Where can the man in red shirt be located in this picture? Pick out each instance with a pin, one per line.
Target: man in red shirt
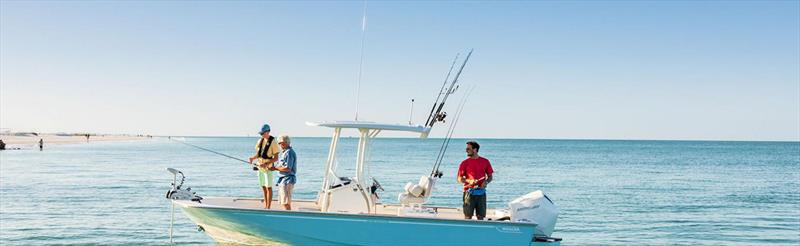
(475, 173)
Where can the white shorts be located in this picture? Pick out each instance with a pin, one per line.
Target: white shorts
(285, 193)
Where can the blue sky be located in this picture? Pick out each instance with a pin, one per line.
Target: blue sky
(581, 69)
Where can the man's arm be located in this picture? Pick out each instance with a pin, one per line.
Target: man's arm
(466, 181)
(281, 166)
(252, 158)
(282, 169)
(287, 164)
(255, 156)
(265, 163)
(488, 180)
(460, 174)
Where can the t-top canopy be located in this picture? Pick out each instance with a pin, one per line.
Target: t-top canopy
(371, 125)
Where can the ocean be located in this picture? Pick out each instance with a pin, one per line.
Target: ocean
(609, 192)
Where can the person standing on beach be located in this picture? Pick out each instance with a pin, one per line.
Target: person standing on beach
(475, 173)
(41, 144)
(266, 154)
(287, 168)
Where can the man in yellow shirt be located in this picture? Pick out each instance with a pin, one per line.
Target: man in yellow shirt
(266, 154)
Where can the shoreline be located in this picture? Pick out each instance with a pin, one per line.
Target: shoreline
(49, 139)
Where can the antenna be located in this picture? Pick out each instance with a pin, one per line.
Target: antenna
(411, 114)
(361, 60)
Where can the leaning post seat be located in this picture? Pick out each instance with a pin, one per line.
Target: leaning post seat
(416, 194)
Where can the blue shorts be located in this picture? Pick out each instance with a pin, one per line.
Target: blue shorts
(477, 191)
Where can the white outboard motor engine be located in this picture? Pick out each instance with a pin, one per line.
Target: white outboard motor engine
(535, 207)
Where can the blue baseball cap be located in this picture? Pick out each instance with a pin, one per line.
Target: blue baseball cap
(264, 129)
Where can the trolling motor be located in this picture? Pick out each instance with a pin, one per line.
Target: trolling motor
(176, 193)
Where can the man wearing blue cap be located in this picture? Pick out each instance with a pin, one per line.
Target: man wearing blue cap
(266, 154)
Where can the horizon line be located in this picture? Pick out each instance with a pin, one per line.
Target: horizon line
(510, 138)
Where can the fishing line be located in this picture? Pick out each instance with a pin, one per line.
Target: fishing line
(215, 152)
(450, 132)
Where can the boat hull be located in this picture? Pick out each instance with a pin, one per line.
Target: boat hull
(276, 227)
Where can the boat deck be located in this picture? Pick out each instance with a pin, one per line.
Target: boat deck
(311, 206)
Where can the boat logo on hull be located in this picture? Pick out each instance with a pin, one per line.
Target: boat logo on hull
(508, 229)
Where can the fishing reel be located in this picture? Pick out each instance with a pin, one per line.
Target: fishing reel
(255, 167)
(440, 117)
(176, 193)
(437, 174)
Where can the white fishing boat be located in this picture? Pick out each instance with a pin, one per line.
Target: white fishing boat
(347, 210)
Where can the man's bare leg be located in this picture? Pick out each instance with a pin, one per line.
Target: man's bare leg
(267, 197)
(287, 206)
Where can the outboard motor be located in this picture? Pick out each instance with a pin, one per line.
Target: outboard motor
(535, 207)
(176, 193)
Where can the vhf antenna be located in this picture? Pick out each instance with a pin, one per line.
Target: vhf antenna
(411, 113)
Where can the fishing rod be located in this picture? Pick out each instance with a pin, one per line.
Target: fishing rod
(215, 152)
(478, 180)
(438, 115)
(450, 131)
(449, 135)
(446, 78)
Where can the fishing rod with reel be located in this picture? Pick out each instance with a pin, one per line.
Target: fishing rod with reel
(437, 115)
(449, 136)
(255, 167)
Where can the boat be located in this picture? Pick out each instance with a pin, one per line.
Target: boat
(348, 211)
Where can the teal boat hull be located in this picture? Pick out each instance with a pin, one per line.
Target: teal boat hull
(277, 227)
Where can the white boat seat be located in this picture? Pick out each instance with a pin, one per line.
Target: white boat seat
(414, 189)
(416, 194)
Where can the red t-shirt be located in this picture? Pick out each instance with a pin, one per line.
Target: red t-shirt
(475, 169)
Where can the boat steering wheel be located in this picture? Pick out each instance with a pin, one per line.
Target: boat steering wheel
(376, 184)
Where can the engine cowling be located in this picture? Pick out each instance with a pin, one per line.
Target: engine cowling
(535, 207)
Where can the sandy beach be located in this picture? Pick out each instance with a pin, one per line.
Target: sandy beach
(12, 141)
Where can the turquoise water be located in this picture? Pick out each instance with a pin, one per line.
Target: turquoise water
(609, 192)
